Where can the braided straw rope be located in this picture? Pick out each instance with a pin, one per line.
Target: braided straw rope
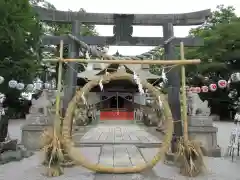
(75, 154)
(99, 54)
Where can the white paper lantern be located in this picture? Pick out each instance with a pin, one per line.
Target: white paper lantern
(233, 93)
(38, 85)
(237, 117)
(12, 84)
(30, 87)
(212, 87)
(47, 85)
(204, 89)
(2, 112)
(197, 89)
(1, 79)
(20, 86)
(222, 84)
(24, 95)
(232, 77)
(2, 97)
(235, 77)
(206, 78)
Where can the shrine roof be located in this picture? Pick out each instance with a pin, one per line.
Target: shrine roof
(93, 71)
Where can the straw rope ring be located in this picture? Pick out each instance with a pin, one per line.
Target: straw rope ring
(75, 154)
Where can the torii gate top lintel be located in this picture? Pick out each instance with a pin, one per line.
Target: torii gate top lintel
(181, 19)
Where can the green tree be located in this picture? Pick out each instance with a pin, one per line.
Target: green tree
(19, 36)
(219, 55)
(58, 29)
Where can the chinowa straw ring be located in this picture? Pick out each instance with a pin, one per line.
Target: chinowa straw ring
(75, 154)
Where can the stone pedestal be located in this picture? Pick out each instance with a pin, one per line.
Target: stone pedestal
(31, 132)
(37, 121)
(201, 129)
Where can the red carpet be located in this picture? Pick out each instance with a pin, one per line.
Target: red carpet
(116, 115)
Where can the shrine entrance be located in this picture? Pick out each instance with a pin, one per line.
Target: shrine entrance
(117, 106)
(117, 102)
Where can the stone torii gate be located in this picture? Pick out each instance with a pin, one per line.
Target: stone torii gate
(123, 29)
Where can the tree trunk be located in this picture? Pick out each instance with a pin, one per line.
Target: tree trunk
(3, 128)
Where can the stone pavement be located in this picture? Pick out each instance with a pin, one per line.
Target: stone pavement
(120, 155)
(118, 135)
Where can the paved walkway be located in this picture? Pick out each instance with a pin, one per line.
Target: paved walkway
(117, 134)
(119, 155)
(116, 144)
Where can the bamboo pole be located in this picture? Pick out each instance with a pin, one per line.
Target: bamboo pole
(58, 96)
(184, 97)
(164, 62)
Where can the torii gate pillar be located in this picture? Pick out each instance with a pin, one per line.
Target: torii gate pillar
(173, 79)
(71, 75)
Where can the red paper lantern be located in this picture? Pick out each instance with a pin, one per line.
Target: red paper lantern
(191, 89)
(204, 89)
(222, 84)
(197, 89)
(213, 87)
(194, 90)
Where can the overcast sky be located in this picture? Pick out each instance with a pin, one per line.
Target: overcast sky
(144, 7)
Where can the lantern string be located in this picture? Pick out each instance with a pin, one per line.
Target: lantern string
(164, 77)
(164, 73)
(138, 82)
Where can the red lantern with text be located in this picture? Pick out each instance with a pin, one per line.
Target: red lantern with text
(197, 89)
(222, 84)
(212, 87)
(204, 89)
(191, 89)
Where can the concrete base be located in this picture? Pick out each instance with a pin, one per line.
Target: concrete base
(16, 155)
(208, 138)
(216, 152)
(200, 121)
(31, 136)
